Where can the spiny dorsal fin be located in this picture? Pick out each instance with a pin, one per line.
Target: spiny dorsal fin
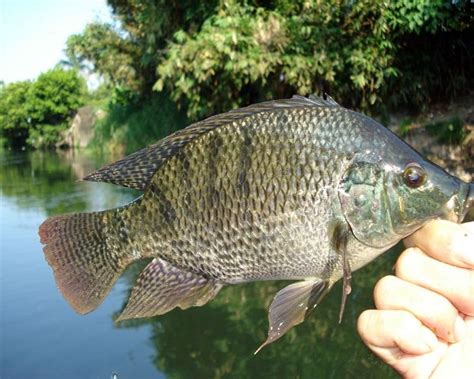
(136, 170)
(325, 101)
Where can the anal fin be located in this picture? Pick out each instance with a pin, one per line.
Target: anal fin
(292, 304)
(162, 287)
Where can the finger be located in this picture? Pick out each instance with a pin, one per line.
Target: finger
(458, 363)
(386, 332)
(446, 241)
(432, 309)
(469, 226)
(454, 283)
(469, 321)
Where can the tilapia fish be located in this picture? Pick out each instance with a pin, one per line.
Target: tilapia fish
(298, 189)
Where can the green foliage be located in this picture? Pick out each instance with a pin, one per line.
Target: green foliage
(132, 126)
(54, 94)
(36, 112)
(404, 127)
(127, 51)
(52, 100)
(114, 57)
(247, 51)
(211, 56)
(449, 131)
(100, 96)
(14, 115)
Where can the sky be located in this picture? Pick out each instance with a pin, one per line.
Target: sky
(33, 33)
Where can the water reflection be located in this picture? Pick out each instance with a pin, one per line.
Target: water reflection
(213, 341)
(50, 182)
(218, 340)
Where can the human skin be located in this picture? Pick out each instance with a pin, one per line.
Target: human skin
(423, 324)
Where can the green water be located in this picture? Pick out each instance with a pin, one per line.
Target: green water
(42, 337)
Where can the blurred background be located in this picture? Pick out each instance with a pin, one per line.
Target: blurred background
(84, 83)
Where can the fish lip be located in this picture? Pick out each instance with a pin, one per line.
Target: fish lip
(466, 196)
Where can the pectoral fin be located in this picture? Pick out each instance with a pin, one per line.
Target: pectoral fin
(346, 284)
(162, 287)
(292, 304)
(341, 233)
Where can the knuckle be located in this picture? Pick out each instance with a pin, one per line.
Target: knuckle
(402, 262)
(382, 290)
(405, 262)
(364, 322)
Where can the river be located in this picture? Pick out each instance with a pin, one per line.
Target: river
(42, 337)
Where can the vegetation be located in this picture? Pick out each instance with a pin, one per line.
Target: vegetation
(35, 113)
(131, 126)
(208, 57)
(224, 54)
(14, 120)
(449, 131)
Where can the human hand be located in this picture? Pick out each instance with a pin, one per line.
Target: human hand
(424, 322)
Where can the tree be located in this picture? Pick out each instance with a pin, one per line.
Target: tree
(128, 51)
(112, 56)
(75, 62)
(35, 113)
(359, 52)
(216, 55)
(52, 100)
(14, 115)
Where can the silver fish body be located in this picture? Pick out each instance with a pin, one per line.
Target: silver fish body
(298, 189)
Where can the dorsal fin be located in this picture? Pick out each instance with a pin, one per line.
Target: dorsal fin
(325, 101)
(136, 170)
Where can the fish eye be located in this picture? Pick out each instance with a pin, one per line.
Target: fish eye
(414, 175)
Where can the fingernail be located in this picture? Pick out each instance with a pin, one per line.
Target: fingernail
(462, 247)
(459, 328)
(428, 338)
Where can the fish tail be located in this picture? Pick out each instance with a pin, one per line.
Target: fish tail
(87, 257)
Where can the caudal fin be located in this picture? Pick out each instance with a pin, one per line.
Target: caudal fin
(85, 261)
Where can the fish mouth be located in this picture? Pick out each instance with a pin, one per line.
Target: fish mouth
(466, 200)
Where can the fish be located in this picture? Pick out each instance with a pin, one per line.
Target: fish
(298, 189)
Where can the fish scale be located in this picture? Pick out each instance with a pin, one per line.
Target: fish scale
(295, 189)
(284, 210)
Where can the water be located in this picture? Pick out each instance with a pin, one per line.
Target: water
(42, 337)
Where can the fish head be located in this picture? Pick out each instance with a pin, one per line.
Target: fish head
(423, 191)
(385, 200)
